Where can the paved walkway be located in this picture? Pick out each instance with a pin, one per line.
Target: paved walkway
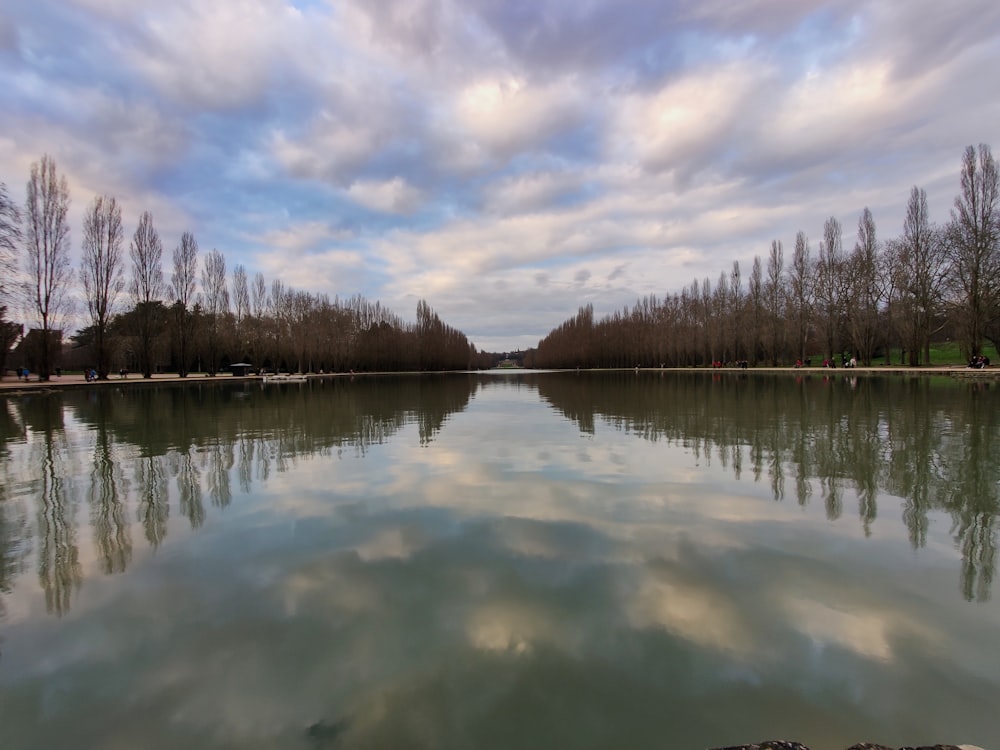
(11, 383)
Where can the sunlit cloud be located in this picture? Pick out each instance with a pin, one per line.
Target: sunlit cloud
(302, 236)
(393, 196)
(864, 633)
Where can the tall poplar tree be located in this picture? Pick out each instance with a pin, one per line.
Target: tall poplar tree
(101, 271)
(47, 263)
(774, 299)
(864, 290)
(829, 274)
(10, 239)
(973, 242)
(216, 297)
(182, 286)
(800, 289)
(146, 289)
(921, 269)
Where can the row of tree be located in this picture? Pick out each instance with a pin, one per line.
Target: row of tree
(200, 317)
(931, 282)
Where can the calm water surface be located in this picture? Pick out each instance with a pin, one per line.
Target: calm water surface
(503, 561)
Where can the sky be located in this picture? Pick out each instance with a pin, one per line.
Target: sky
(506, 161)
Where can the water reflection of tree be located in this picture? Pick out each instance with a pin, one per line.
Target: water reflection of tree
(107, 497)
(15, 543)
(15, 539)
(197, 435)
(189, 492)
(59, 569)
(220, 462)
(971, 494)
(152, 498)
(929, 443)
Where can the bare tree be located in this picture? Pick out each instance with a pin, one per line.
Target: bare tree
(735, 302)
(829, 274)
(973, 241)
(216, 297)
(800, 282)
(47, 261)
(774, 299)
(259, 308)
(241, 301)
(920, 273)
(10, 239)
(864, 290)
(755, 305)
(101, 271)
(182, 290)
(279, 306)
(146, 288)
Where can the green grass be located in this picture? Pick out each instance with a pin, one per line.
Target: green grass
(945, 353)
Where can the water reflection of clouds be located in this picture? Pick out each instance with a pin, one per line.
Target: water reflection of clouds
(646, 517)
(370, 638)
(455, 589)
(865, 633)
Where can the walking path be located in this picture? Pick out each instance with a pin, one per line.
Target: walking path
(9, 383)
(73, 380)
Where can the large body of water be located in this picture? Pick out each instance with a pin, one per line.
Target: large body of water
(523, 560)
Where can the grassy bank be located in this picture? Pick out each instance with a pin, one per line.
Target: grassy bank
(944, 353)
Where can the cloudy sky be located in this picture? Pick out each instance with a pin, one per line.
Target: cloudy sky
(506, 160)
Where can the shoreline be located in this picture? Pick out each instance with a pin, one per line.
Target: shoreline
(10, 384)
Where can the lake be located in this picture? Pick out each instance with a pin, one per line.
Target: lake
(505, 560)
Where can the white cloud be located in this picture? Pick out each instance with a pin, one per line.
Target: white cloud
(393, 196)
(508, 114)
(302, 236)
(684, 126)
(531, 193)
(317, 272)
(330, 150)
(216, 55)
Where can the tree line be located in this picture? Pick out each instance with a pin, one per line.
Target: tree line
(903, 294)
(194, 314)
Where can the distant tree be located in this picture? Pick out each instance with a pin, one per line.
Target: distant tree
(258, 306)
(709, 322)
(279, 307)
(182, 291)
(737, 325)
(864, 290)
(146, 289)
(241, 305)
(10, 239)
(829, 276)
(101, 271)
(215, 295)
(973, 244)
(800, 283)
(920, 263)
(755, 304)
(47, 262)
(774, 300)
